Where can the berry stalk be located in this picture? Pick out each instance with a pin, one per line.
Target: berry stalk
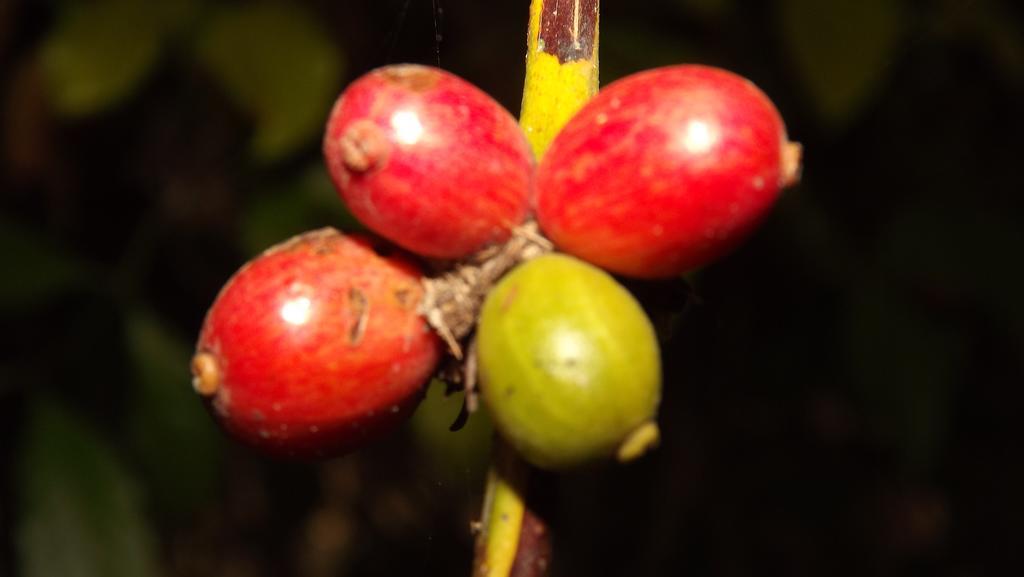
(561, 75)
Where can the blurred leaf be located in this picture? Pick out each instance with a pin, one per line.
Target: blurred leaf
(707, 8)
(27, 126)
(33, 269)
(86, 358)
(176, 15)
(841, 50)
(626, 50)
(99, 52)
(271, 217)
(305, 203)
(81, 512)
(175, 439)
(1000, 33)
(324, 200)
(276, 62)
(905, 366)
(959, 251)
(452, 453)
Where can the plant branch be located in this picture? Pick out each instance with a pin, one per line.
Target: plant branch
(561, 66)
(503, 512)
(561, 75)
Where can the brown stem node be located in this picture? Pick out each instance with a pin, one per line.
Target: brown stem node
(452, 300)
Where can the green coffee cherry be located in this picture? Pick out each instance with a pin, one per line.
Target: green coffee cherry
(569, 364)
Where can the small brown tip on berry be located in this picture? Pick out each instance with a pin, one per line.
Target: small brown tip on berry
(412, 76)
(641, 440)
(205, 374)
(792, 153)
(363, 146)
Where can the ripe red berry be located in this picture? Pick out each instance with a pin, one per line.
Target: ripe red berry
(664, 171)
(315, 347)
(428, 161)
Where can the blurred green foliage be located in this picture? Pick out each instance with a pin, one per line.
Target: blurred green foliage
(960, 252)
(36, 270)
(178, 447)
(86, 61)
(305, 202)
(99, 52)
(905, 367)
(841, 50)
(277, 63)
(82, 511)
(453, 454)
(834, 392)
(707, 8)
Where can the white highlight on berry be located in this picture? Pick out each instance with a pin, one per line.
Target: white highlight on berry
(699, 136)
(571, 350)
(297, 311)
(407, 126)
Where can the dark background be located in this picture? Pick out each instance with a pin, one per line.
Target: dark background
(841, 399)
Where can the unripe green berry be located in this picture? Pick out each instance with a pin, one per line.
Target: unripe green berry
(569, 364)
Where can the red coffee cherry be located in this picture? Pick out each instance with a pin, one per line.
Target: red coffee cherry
(428, 161)
(315, 347)
(664, 171)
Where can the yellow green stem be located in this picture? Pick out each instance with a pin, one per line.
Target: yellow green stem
(561, 75)
(503, 511)
(558, 80)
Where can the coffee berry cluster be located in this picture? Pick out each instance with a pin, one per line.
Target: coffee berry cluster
(326, 341)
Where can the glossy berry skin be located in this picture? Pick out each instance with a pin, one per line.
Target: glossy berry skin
(664, 171)
(568, 363)
(428, 161)
(315, 347)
